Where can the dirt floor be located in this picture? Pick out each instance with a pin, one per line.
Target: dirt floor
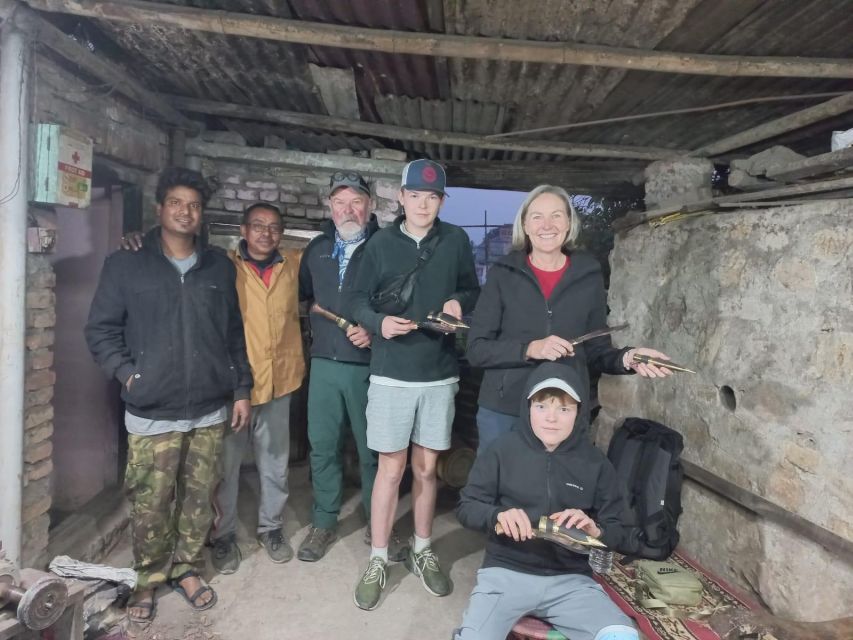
(301, 600)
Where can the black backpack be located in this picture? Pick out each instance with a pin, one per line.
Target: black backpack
(647, 458)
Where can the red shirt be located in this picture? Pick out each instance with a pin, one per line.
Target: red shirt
(548, 279)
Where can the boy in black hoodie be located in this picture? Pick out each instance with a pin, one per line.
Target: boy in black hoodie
(546, 467)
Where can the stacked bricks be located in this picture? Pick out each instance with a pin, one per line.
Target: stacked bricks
(302, 195)
(38, 414)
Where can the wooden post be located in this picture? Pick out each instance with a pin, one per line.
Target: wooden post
(314, 121)
(443, 45)
(791, 122)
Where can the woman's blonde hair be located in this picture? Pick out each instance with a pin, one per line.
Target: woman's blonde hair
(520, 241)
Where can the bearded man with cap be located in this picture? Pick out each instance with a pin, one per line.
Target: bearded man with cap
(414, 373)
(337, 388)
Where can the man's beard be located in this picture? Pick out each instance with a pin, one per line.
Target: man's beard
(349, 229)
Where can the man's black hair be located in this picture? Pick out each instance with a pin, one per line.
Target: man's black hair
(172, 177)
(266, 206)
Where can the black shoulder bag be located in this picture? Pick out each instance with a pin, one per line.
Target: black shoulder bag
(394, 297)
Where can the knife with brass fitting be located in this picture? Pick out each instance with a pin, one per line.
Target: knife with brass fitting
(442, 322)
(342, 322)
(644, 359)
(606, 331)
(571, 538)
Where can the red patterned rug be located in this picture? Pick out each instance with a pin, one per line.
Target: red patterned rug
(686, 623)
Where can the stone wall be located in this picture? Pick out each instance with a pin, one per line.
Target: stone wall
(760, 303)
(38, 416)
(300, 192)
(117, 130)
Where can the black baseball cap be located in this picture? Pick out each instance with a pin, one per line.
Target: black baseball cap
(424, 175)
(350, 179)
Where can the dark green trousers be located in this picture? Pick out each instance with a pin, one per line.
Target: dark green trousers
(337, 401)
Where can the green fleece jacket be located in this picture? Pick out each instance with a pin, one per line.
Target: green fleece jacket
(420, 356)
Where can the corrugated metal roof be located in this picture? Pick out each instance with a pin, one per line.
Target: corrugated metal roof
(483, 96)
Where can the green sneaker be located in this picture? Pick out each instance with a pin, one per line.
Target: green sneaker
(278, 549)
(226, 555)
(425, 566)
(369, 588)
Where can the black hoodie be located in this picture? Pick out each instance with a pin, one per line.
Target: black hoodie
(518, 472)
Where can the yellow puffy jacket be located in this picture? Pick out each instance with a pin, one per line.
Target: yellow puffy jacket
(271, 323)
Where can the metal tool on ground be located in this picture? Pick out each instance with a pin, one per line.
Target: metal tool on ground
(38, 606)
(442, 322)
(571, 538)
(606, 331)
(639, 358)
(342, 322)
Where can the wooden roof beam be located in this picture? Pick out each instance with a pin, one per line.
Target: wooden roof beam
(372, 129)
(777, 127)
(444, 45)
(59, 42)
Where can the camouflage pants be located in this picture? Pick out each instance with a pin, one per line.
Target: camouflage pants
(170, 479)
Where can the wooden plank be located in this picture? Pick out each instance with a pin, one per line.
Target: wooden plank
(393, 132)
(816, 165)
(48, 35)
(443, 45)
(794, 190)
(790, 122)
(758, 505)
(314, 161)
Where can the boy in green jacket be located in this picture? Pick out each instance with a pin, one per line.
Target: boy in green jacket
(414, 373)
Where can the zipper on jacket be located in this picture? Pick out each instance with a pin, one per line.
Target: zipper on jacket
(548, 456)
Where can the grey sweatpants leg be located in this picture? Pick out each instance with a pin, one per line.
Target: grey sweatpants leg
(269, 433)
(574, 604)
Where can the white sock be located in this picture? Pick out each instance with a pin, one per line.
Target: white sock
(379, 552)
(421, 543)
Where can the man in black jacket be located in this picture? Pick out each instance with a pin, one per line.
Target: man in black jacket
(546, 467)
(337, 391)
(165, 322)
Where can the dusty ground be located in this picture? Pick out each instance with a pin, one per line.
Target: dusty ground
(300, 600)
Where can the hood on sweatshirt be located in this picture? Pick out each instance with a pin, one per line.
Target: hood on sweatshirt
(567, 373)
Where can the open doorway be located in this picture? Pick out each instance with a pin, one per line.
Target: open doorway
(87, 452)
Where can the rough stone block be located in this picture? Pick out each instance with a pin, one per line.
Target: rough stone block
(316, 213)
(388, 154)
(771, 159)
(296, 212)
(258, 184)
(247, 194)
(41, 280)
(41, 318)
(340, 152)
(387, 189)
(39, 338)
(40, 379)
(40, 298)
(234, 205)
(227, 193)
(215, 203)
(40, 396)
(269, 196)
(40, 359)
(39, 470)
(38, 434)
(38, 415)
(803, 458)
(40, 506)
(678, 181)
(223, 137)
(309, 199)
(275, 142)
(40, 451)
(231, 179)
(289, 198)
(320, 181)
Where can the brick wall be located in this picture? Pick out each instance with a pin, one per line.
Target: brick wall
(38, 416)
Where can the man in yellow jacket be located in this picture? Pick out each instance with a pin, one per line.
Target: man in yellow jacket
(267, 287)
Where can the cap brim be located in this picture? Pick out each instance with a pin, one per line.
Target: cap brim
(554, 383)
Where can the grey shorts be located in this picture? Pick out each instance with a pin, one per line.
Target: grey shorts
(399, 415)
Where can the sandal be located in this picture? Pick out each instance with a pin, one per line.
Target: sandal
(192, 599)
(149, 606)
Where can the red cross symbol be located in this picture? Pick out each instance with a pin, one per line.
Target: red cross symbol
(75, 157)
